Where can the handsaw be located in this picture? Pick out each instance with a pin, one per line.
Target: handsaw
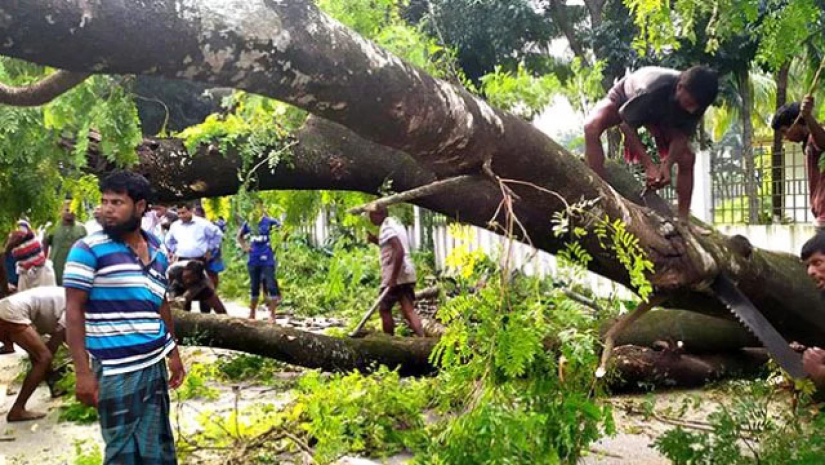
(655, 202)
(744, 310)
(741, 307)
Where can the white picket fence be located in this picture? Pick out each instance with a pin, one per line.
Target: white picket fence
(528, 260)
(778, 238)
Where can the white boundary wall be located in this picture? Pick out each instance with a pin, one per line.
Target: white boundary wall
(777, 238)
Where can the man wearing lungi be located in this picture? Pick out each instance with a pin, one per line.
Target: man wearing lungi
(117, 312)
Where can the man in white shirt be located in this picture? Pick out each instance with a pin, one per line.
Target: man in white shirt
(23, 318)
(194, 238)
(397, 271)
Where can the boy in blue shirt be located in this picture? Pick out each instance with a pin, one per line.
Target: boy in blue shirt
(261, 263)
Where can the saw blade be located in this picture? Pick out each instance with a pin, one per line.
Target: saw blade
(744, 310)
(655, 202)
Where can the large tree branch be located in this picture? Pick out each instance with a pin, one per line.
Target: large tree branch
(42, 91)
(293, 52)
(595, 7)
(328, 156)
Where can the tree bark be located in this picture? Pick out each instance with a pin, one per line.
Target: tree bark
(293, 52)
(634, 366)
(642, 368)
(697, 333)
(558, 11)
(595, 7)
(40, 92)
(302, 348)
(778, 150)
(328, 156)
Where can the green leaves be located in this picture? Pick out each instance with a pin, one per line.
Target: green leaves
(515, 378)
(520, 93)
(376, 415)
(34, 166)
(780, 27)
(758, 427)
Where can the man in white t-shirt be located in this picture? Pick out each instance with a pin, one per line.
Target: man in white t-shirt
(397, 271)
(24, 317)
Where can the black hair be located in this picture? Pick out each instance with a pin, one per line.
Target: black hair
(187, 205)
(785, 116)
(129, 183)
(814, 245)
(195, 266)
(702, 83)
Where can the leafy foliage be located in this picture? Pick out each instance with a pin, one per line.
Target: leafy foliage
(584, 87)
(244, 367)
(613, 236)
(92, 456)
(504, 395)
(515, 378)
(375, 415)
(749, 431)
(490, 33)
(33, 165)
(195, 385)
(780, 27)
(519, 93)
(378, 413)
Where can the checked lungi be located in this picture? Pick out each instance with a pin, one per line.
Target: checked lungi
(134, 416)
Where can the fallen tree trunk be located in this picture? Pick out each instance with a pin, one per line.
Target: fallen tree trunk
(633, 366)
(698, 333)
(293, 52)
(643, 368)
(302, 348)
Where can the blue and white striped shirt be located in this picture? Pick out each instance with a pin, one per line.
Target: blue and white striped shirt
(124, 330)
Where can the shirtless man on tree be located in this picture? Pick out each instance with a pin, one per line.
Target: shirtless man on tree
(670, 105)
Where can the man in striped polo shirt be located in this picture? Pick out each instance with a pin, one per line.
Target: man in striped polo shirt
(117, 311)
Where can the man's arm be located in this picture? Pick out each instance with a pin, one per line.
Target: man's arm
(813, 361)
(166, 315)
(86, 387)
(214, 236)
(47, 242)
(241, 238)
(175, 364)
(397, 260)
(816, 130)
(215, 302)
(170, 241)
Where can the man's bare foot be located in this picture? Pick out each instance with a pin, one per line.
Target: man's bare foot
(23, 415)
